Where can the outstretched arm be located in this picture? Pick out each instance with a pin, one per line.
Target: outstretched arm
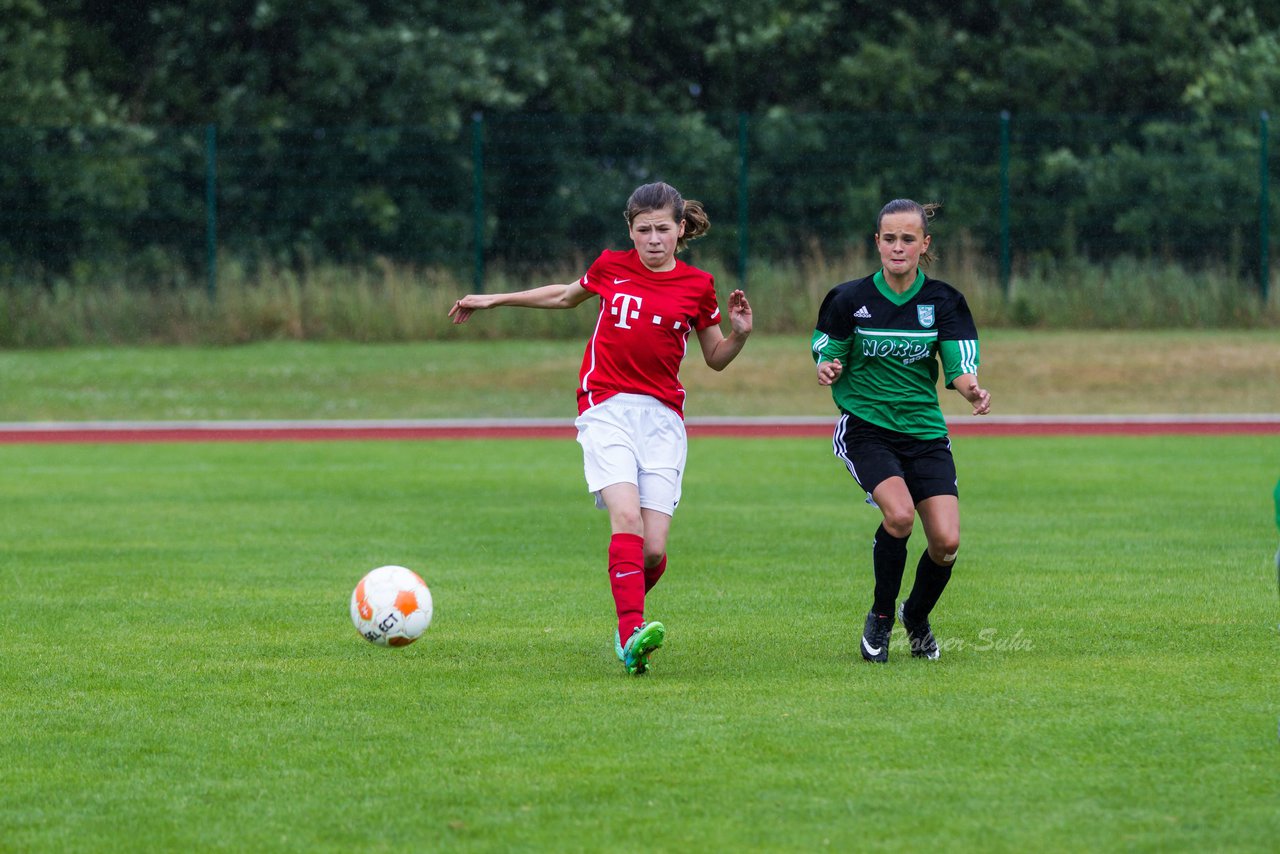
(547, 296)
(967, 385)
(717, 350)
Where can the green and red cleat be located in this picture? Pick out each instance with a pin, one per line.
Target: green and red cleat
(644, 640)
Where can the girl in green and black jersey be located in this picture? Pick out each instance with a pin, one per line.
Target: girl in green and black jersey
(877, 344)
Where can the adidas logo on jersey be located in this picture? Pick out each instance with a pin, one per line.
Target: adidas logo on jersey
(863, 313)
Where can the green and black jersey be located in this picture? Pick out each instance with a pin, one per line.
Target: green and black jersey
(889, 344)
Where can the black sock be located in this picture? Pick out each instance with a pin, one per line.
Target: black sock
(889, 557)
(931, 580)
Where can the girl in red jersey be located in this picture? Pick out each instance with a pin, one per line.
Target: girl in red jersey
(630, 401)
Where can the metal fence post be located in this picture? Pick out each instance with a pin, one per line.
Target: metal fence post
(743, 192)
(1005, 272)
(477, 188)
(211, 209)
(1264, 206)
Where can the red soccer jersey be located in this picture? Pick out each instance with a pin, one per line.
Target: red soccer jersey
(643, 329)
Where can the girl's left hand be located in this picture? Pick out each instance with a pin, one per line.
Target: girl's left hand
(980, 398)
(739, 313)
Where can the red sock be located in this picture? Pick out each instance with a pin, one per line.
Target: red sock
(651, 576)
(626, 577)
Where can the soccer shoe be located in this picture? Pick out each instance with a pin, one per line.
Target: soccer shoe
(617, 646)
(875, 637)
(645, 639)
(919, 635)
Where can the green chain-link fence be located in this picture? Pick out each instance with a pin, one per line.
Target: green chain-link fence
(161, 205)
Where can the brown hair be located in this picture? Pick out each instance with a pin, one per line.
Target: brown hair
(926, 212)
(661, 196)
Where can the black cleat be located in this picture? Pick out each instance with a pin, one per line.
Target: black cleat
(919, 635)
(875, 637)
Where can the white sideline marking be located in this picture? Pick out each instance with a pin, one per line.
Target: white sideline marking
(708, 420)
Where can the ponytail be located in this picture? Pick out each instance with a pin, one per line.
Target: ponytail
(696, 222)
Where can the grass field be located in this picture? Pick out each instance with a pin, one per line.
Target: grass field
(1028, 373)
(178, 671)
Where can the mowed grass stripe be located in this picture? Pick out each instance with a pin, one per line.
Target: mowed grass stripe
(1037, 372)
(178, 669)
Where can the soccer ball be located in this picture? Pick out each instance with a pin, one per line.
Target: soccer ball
(391, 606)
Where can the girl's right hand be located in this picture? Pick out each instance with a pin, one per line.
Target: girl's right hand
(465, 307)
(829, 372)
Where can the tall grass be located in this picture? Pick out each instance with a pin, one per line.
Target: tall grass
(383, 301)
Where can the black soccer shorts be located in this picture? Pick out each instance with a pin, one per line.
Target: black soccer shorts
(873, 454)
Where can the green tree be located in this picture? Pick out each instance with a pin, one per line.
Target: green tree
(41, 87)
(344, 126)
(68, 177)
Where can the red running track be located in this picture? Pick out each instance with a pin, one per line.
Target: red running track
(305, 431)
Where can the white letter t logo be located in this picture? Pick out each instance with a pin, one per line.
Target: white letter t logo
(625, 312)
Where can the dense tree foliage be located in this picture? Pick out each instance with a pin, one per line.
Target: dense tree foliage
(423, 62)
(347, 127)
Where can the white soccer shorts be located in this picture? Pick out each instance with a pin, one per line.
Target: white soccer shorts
(634, 438)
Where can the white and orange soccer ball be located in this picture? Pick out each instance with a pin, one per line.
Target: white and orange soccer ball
(391, 606)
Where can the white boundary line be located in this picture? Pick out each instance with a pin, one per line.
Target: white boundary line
(285, 425)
